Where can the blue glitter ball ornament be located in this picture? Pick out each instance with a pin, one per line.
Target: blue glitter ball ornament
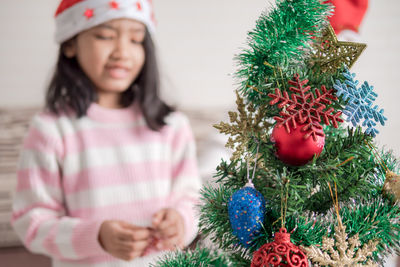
(246, 209)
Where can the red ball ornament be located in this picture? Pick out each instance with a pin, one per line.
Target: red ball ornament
(280, 252)
(294, 148)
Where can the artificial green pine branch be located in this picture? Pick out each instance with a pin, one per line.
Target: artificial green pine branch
(234, 174)
(282, 39)
(346, 160)
(374, 218)
(214, 219)
(374, 212)
(198, 257)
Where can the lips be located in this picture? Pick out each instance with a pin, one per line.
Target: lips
(117, 71)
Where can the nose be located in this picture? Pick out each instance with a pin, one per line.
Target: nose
(121, 48)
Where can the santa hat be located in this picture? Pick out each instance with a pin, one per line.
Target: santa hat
(75, 16)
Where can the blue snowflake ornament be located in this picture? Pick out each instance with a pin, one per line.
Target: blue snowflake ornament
(246, 209)
(359, 103)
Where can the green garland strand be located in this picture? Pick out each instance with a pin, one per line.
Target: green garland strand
(281, 39)
(195, 258)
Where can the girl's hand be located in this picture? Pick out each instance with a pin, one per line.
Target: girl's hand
(169, 229)
(123, 240)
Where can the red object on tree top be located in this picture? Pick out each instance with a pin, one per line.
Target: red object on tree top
(304, 108)
(348, 14)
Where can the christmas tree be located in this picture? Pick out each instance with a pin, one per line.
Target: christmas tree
(306, 184)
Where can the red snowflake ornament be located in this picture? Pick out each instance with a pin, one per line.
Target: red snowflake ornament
(280, 252)
(304, 108)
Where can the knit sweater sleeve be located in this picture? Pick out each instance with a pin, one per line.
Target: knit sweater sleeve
(186, 180)
(39, 215)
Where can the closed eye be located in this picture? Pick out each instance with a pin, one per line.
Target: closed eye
(103, 37)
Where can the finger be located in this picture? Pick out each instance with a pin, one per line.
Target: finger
(134, 235)
(141, 234)
(120, 254)
(127, 256)
(158, 217)
(160, 232)
(124, 235)
(129, 226)
(134, 246)
(169, 232)
(171, 243)
(166, 224)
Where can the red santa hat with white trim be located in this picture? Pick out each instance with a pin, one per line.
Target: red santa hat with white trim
(75, 16)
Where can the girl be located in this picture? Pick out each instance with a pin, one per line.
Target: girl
(107, 172)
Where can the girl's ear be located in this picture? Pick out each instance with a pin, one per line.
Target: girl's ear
(69, 48)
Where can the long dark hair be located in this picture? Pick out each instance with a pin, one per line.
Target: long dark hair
(70, 88)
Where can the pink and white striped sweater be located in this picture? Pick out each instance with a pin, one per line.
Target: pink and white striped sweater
(76, 173)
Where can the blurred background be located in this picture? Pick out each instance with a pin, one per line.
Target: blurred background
(197, 41)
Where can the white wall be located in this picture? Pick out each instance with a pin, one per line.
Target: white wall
(197, 41)
(379, 65)
(26, 51)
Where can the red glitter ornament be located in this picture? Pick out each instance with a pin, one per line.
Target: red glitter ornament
(292, 148)
(303, 107)
(280, 252)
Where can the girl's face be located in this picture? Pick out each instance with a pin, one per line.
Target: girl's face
(111, 55)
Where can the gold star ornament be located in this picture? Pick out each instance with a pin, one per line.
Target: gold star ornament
(330, 54)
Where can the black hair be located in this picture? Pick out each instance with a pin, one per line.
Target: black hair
(70, 88)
